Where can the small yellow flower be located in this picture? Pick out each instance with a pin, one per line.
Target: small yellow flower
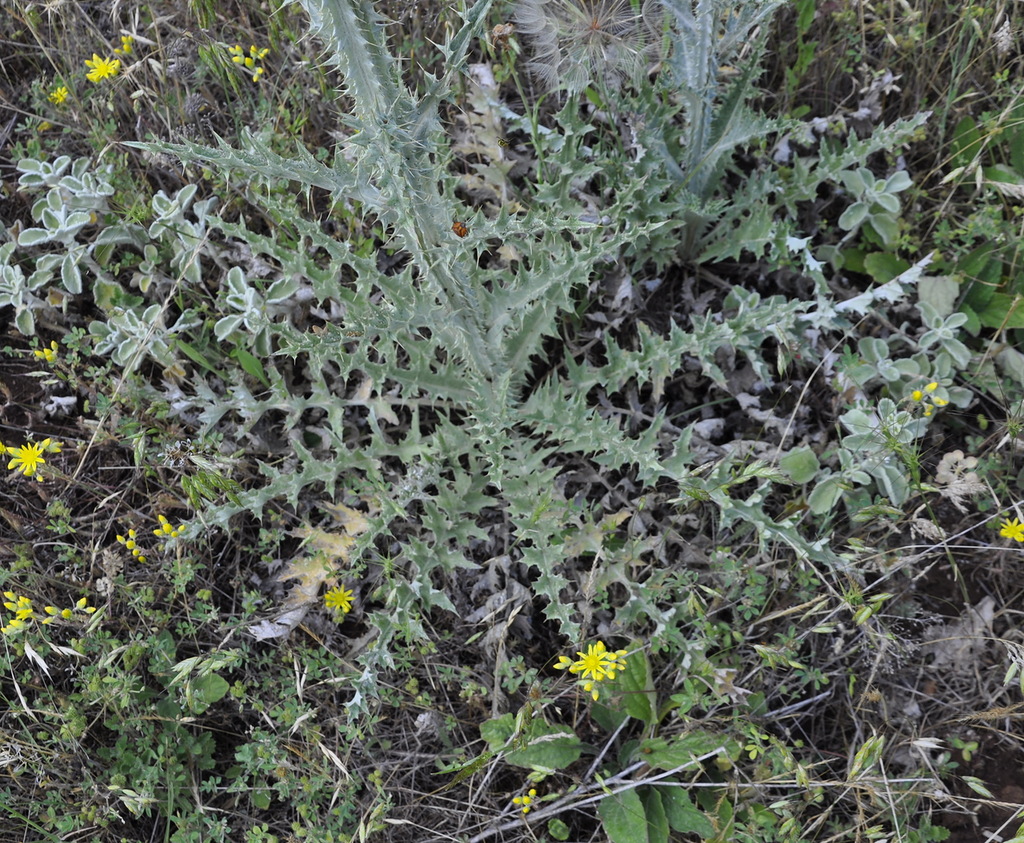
(1012, 529)
(129, 542)
(596, 664)
(23, 612)
(47, 354)
(339, 599)
(14, 626)
(165, 529)
(927, 398)
(20, 605)
(526, 800)
(58, 95)
(82, 605)
(101, 68)
(126, 45)
(251, 61)
(28, 458)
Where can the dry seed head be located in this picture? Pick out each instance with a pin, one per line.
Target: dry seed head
(1002, 38)
(577, 42)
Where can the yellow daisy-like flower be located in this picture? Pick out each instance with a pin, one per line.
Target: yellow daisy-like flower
(47, 354)
(28, 458)
(58, 95)
(596, 664)
(340, 599)
(101, 68)
(1012, 529)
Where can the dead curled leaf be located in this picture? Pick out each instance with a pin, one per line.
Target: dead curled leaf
(325, 553)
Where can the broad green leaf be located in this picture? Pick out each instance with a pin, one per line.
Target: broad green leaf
(1001, 174)
(886, 227)
(33, 237)
(541, 745)
(204, 691)
(853, 216)
(882, 266)
(654, 811)
(800, 465)
(26, 322)
(973, 325)
(1003, 311)
(825, 495)
(666, 754)
(607, 718)
(623, 818)
(639, 697)
(683, 815)
(940, 291)
(558, 829)
(70, 274)
(982, 272)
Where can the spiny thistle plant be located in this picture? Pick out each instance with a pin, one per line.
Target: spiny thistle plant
(424, 392)
(453, 343)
